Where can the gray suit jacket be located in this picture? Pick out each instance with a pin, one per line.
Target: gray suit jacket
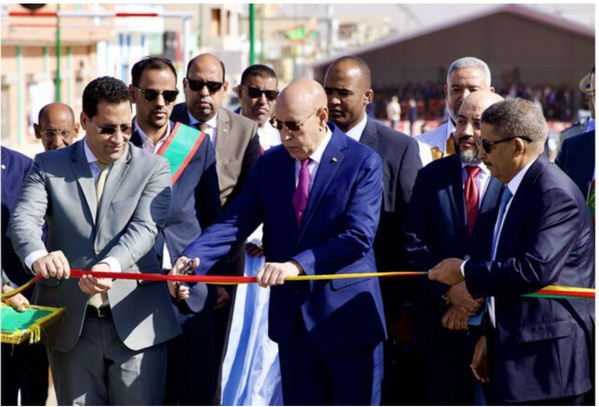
(237, 149)
(60, 189)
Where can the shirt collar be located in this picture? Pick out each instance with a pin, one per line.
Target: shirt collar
(144, 136)
(193, 121)
(356, 131)
(480, 165)
(317, 154)
(91, 158)
(515, 182)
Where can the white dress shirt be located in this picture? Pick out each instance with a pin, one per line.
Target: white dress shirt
(112, 262)
(147, 143)
(356, 131)
(210, 131)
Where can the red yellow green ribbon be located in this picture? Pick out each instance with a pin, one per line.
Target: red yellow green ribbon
(551, 291)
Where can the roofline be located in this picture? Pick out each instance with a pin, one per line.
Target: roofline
(537, 15)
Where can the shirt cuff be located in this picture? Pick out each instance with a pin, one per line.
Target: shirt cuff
(33, 257)
(113, 263)
(462, 268)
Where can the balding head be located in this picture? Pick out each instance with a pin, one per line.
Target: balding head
(347, 85)
(467, 131)
(302, 114)
(57, 127)
(204, 86)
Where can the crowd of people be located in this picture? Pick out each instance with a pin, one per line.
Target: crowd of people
(302, 182)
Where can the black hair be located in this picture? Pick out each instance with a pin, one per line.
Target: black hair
(259, 70)
(158, 63)
(103, 89)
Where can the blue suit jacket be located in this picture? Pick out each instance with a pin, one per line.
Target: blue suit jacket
(195, 205)
(335, 236)
(576, 158)
(542, 345)
(436, 228)
(15, 167)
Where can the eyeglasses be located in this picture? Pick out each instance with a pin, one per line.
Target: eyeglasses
(50, 134)
(488, 145)
(293, 126)
(124, 128)
(256, 93)
(197, 85)
(151, 94)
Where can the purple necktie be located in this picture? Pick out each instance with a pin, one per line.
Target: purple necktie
(300, 197)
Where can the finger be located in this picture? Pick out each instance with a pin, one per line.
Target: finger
(66, 266)
(41, 268)
(58, 266)
(432, 275)
(50, 267)
(82, 283)
(260, 276)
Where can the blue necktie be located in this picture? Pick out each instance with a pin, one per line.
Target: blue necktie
(506, 195)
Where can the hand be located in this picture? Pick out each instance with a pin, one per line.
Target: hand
(460, 297)
(447, 272)
(479, 364)
(177, 290)
(222, 298)
(18, 302)
(92, 285)
(455, 319)
(254, 251)
(182, 262)
(275, 273)
(53, 264)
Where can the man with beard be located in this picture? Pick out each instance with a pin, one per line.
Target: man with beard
(195, 205)
(465, 75)
(451, 214)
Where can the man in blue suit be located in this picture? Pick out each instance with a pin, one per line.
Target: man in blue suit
(452, 214)
(538, 348)
(195, 204)
(319, 197)
(25, 367)
(347, 84)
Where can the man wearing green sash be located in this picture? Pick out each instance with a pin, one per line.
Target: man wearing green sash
(195, 204)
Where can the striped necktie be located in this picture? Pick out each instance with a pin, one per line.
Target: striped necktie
(100, 299)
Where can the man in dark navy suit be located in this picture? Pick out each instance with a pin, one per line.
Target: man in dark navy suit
(195, 204)
(347, 84)
(319, 197)
(452, 214)
(538, 348)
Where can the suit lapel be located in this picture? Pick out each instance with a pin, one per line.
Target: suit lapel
(331, 160)
(115, 176)
(222, 141)
(84, 177)
(368, 136)
(456, 194)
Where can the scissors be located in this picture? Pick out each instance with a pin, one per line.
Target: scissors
(185, 271)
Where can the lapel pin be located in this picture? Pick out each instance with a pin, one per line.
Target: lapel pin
(334, 160)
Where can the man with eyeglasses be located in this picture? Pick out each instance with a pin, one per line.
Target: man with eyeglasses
(195, 204)
(347, 83)
(236, 143)
(57, 127)
(536, 350)
(103, 202)
(319, 197)
(451, 214)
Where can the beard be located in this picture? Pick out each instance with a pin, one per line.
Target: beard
(469, 157)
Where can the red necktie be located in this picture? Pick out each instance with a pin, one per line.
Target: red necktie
(300, 197)
(471, 196)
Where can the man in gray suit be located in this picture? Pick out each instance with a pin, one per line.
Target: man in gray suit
(237, 147)
(103, 202)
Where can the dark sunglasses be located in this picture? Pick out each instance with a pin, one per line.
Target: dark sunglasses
(197, 85)
(124, 128)
(292, 126)
(488, 145)
(151, 94)
(256, 93)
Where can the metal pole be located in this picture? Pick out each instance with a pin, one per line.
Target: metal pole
(58, 46)
(261, 20)
(186, 42)
(252, 17)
